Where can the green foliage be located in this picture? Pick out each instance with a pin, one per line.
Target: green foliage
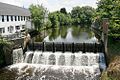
(54, 19)
(64, 19)
(37, 14)
(4, 41)
(57, 18)
(3, 44)
(82, 15)
(79, 15)
(110, 9)
(48, 24)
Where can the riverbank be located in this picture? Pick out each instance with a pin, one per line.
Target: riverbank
(113, 70)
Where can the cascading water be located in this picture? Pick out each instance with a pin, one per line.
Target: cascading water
(59, 66)
(65, 59)
(28, 57)
(18, 56)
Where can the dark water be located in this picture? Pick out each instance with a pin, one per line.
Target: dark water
(76, 34)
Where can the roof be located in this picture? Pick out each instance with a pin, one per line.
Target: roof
(7, 9)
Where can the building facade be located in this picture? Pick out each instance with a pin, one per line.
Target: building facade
(13, 19)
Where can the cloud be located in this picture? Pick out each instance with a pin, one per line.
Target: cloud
(13, 2)
(53, 5)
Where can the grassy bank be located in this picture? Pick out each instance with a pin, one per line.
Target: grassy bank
(113, 70)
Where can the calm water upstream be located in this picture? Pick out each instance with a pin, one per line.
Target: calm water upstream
(74, 34)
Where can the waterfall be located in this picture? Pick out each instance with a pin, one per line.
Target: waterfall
(48, 72)
(28, 57)
(59, 58)
(102, 61)
(39, 65)
(65, 59)
(18, 56)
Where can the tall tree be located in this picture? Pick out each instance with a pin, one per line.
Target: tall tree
(75, 15)
(82, 15)
(54, 19)
(57, 18)
(110, 9)
(37, 14)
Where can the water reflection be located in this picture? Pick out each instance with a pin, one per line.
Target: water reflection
(53, 34)
(75, 34)
(63, 32)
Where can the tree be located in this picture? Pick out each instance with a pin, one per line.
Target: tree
(87, 14)
(37, 14)
(64, 19)
(57, 18)
(63, 10)
(110, 9)
(48, 24)
(82, 15)
(54, 19)
(75, 15)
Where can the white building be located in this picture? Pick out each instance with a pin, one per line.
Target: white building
(13, 19)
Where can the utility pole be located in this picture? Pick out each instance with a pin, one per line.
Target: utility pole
(105, 25)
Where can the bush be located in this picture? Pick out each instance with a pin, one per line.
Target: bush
(4, 47)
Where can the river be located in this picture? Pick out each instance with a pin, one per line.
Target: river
(38, 65)
(76, 34)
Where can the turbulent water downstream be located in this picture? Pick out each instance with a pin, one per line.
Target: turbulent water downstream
(39, 65)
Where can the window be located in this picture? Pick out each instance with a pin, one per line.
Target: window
(11, 29)
(7, 18)
(23, 26)
(28, 18)
(8, 29)
(0, 18)
(17, 27)
(15, 18)
(3, 18)
(18, 18)
(11, 18)
(2, 30)
(21, 18)
(24, 18)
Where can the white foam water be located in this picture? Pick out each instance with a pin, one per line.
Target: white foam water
(40, 65)
(27, 71)
(28, 57)
(18, 56)
(66, 59)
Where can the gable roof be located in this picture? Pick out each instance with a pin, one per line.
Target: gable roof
(7, 9)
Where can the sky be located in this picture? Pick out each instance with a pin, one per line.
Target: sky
(53, 5)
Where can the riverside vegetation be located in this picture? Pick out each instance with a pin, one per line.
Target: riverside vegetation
(85, 15)
(43, 19)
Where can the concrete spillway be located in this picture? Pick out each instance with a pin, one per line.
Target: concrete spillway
(40, 65)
